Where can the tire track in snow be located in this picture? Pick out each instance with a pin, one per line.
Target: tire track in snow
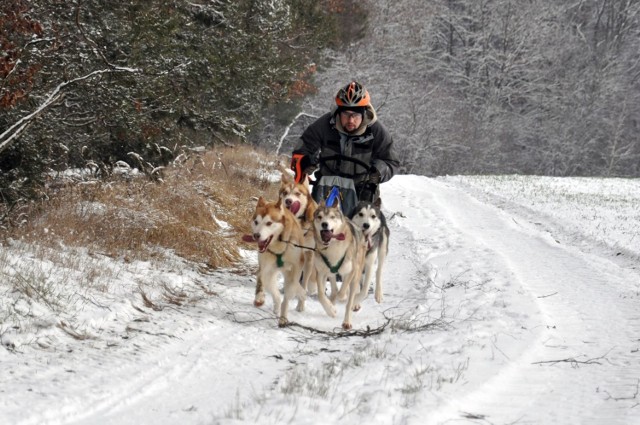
(587, 297)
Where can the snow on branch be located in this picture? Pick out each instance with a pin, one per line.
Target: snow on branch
(12, 133)
(286, 131)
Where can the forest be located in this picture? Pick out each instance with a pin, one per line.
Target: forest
(466, 86)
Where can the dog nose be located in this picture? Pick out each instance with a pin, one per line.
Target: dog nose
(325, 225)
(288, 202)
(365, 226)
(256, 236)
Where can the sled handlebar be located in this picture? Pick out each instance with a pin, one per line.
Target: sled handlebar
(338, 157)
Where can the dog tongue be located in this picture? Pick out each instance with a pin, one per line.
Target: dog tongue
(295, 207)
(248, 238)
(262, 245)
(327, 235)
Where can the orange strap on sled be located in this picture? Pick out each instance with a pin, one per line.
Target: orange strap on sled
(296, 166)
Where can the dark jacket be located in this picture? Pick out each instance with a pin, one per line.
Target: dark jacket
(371, 144)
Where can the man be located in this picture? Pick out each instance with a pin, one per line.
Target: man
(350, 131)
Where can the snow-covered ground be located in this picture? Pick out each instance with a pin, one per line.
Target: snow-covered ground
(506, 300)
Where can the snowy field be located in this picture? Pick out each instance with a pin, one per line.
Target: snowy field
(506, 300)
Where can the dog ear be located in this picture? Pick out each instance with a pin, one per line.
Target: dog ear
(286, 177)
(307, 185)
(311, 210)
(286, 174)
(261, 202)
(377, 203)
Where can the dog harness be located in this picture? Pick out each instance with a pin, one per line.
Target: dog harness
(373, 241)
(333, 269)
(279, 261)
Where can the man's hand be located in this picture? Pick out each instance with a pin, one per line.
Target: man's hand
(301, 166)
(374, 176)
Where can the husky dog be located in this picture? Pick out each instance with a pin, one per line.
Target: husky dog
(368, 217)
(297, 198)
(279, 237)
(340, 249)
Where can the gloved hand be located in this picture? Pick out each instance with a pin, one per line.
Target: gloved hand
(310, 170)
(374, 176)
(301, 166)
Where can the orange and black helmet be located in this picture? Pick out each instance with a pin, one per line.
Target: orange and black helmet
(353, 95)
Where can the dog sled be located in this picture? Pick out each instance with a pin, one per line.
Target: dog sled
(341, 188)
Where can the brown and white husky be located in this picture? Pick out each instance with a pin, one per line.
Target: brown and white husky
(297, 198)
(279, 238)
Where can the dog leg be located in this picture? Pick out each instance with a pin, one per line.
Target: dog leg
(382, 255)
(302, 296)
(329, 308)
(343, 292)
(353, 281)
(271, 286)
(292, 289)
(366, 283)
(258, 301)
(334, 288)
(300, 291)
(309, 274)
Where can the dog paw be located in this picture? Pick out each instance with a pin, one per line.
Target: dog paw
(356, 307)
(331, 311)
(379, 298)
(258, 303)
(282, 322)
(347, 326)
(300, 306)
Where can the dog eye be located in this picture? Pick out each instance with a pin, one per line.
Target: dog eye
(269, 223)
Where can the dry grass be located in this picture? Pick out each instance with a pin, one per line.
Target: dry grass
(199, 209)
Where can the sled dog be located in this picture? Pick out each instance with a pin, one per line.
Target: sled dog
(340, 249)
(279, 238)
(368, 217)
(297, 198)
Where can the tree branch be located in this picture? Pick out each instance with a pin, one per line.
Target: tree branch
(344, 334)
(286, 131)
(12, 133)
(574, 362)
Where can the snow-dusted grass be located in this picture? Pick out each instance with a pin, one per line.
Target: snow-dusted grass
(605, 211)
(77, 254)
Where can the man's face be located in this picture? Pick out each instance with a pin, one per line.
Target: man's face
(350, 120)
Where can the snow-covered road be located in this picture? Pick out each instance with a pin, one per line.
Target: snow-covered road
(580, 361)
(492, 320)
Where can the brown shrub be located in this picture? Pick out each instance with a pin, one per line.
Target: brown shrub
(199, 209)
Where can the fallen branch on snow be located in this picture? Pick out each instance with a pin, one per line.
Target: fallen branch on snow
(343, 334)
(574, 362)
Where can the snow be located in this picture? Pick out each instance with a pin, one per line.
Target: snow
(507, 299)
